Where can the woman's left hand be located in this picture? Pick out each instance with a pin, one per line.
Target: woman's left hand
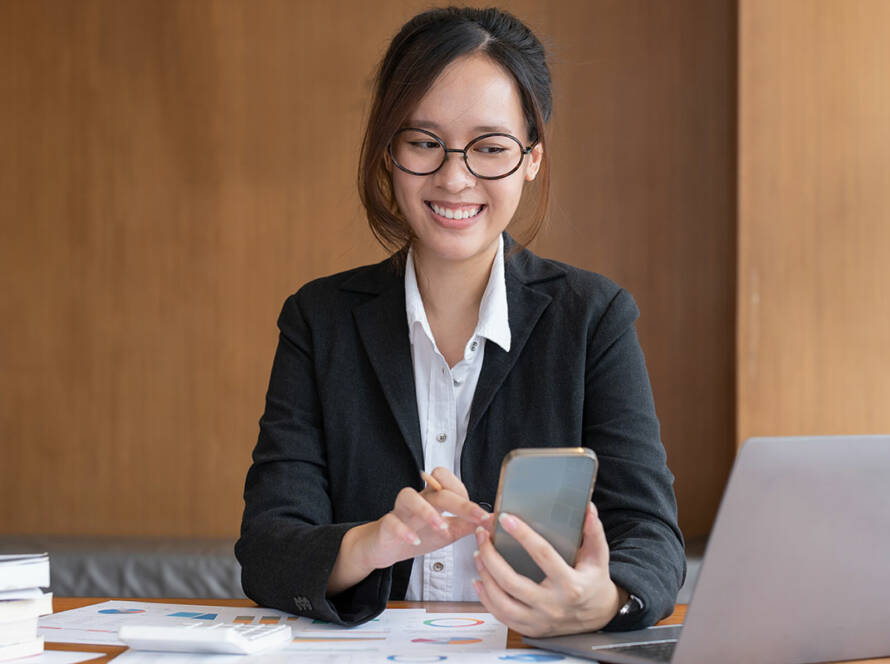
(569, 600)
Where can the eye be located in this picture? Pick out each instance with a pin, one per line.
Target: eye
(424, 145)
(492, 149)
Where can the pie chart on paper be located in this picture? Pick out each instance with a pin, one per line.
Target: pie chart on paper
(454, 622)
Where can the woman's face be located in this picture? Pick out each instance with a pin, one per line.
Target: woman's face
(471, 96)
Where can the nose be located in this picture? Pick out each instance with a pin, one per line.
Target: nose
(454, 175)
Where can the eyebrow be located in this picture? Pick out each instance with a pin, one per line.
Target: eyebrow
(485, 129)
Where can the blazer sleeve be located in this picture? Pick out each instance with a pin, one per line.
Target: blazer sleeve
(634, 491)
(288, 544)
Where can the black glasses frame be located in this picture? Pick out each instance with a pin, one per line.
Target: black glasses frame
(445, 150)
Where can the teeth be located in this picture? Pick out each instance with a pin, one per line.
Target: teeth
(448, 213)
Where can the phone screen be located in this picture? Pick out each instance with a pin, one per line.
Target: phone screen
(549, 489)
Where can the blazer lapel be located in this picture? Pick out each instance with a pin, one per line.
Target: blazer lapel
(524, 307)
(383, 328)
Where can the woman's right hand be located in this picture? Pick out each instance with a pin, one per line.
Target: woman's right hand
(415, 526)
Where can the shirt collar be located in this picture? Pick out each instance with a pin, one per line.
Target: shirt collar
(413, 301)
(493, 324)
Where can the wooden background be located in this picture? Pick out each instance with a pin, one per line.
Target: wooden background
(170, 171)
(814, 218)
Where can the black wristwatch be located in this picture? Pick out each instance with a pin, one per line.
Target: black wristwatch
(632, 606)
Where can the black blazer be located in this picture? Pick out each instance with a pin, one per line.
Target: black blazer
(340, 434)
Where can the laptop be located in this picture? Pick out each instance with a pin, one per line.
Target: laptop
(796, 570)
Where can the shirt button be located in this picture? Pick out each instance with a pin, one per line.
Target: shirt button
(438, 567)
(474, 345)
(457, 382)
(442, 437)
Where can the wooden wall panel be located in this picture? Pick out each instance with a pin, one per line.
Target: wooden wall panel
(171, 171)
(814, 218)
(644, 192)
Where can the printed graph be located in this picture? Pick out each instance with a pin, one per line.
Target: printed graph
(448, 641)
(336, 639)
(117, 611)
(454, 622)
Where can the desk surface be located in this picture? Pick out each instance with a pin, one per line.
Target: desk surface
(513, 639)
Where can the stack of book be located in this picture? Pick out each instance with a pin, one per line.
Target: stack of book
(22, 602)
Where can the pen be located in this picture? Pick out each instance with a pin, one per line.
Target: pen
(430, 480)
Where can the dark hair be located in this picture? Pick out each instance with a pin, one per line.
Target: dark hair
(416, 56)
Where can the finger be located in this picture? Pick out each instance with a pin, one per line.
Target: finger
(447, 501)
(393, 528)
(594, 551)
(459, 528)
(540, 550)
(483, 596)
(507, 609)
(431, 481)
(412, 508)
(488, 603)
(449, 481)
(517, 585)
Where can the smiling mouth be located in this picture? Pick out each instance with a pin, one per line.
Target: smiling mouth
(464, 212)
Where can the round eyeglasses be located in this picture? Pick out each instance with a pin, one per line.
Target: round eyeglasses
(489, 156)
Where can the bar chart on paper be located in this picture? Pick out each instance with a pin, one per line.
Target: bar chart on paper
(98, 624)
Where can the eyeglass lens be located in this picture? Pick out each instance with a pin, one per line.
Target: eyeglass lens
(489, 157)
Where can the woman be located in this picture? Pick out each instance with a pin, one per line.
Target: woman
(443, 358)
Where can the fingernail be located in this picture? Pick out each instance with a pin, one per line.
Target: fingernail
(508, 521)
(475, 554)
(416, 541)
(480, 514)
(443, 525)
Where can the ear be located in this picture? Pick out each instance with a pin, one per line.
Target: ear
(533, 165)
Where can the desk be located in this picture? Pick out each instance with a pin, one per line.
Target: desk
(513, 639)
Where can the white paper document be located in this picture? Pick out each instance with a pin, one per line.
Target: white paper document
(396, 635)
(500, 656)
(98, 623)
(317, 636)
(57, 657)
(446, 633)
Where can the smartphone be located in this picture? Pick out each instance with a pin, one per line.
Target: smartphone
(549, 489)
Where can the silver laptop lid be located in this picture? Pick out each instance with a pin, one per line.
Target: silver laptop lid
(797, 567)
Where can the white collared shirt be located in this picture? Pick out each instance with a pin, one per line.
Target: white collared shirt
(444, 397)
